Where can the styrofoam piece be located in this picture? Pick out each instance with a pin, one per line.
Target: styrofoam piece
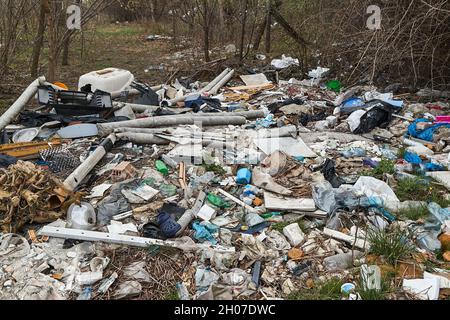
(425, 289)
(444, 279)
(273, 202)
(288, 145)
(206, 213)
(294, 234)
(78, 131)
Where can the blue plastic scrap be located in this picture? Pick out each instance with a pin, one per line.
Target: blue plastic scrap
(426, 134)
(203, 234)
(412, 158)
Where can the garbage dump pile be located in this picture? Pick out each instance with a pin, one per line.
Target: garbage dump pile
(240, 188)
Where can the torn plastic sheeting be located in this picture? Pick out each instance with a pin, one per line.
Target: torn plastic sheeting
(204, 278)
(441, 214)
(202, 233)
(284, 62)
(441, 176)
(323, 195)
(354, 120)
(128, 289)
(288, 145)
(425, 289)
(136, 271)
(374, 188)
(112, 205)
(412, 158)
(426, 134)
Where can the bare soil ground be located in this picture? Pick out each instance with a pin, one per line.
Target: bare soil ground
(113, 45)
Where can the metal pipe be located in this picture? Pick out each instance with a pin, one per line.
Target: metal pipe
(75, 179)
(20, 103)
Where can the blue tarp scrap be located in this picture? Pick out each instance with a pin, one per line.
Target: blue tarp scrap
(426, 134)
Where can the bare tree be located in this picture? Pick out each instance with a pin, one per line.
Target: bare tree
(207, 9)
(39, 42)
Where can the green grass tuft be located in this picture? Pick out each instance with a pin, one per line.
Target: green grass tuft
(414, 213)
(385, 166)
(328, 290)
(375, 295)
(392, 246)
(172, 296)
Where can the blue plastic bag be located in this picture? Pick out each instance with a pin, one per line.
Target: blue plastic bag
(426, 134)
(412, 158)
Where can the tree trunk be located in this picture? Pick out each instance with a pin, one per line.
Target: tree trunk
(268, 27)
(65, 53)
(52, 43)
(206, 29)
(259, 34)
(39, 39)
(244, 25)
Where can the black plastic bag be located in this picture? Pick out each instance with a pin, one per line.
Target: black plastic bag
(329, 172)
(378, 117)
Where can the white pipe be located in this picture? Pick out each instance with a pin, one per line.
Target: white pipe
(75, 179)
(222, 82)
(20, 103)
(215, 81)
(153, 122)
(140, 108)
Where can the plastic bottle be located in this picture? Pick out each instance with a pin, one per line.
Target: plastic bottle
(183, 292)
(354, 152)
(86, 294)
(341, 261)
(161, 167)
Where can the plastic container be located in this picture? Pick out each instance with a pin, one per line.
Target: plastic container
(82, 217)
(183, 292)
(244, 176)
(110, 80)
(161, 167)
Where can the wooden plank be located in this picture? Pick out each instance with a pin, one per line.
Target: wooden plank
(94, 236)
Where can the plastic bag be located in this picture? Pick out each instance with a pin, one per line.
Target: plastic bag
(426, 134)
(379, 116)
(323, 195)
(372, 187)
